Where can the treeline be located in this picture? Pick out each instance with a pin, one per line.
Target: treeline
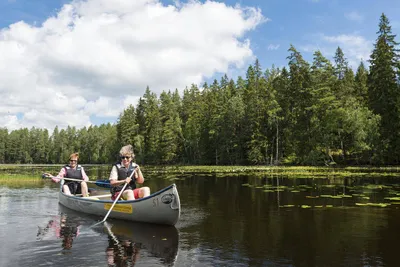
(313, 113)
(96, 144)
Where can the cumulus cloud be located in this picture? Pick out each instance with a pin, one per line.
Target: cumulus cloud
(356, 48)
(96, 56)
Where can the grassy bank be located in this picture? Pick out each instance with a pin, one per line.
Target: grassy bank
(287, 171)
(33, 172)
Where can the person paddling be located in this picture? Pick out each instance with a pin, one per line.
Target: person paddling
(72, 170)
(121, 174)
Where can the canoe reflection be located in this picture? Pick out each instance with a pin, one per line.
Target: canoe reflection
(127, 241)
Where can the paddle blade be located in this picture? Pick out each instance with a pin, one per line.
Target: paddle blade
(45, 176)
(103, 183)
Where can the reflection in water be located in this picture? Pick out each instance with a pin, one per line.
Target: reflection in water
(129, 241)
(122, 252)
(68, 231)
(61, 227)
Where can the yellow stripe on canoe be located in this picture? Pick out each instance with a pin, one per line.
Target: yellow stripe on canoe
(123, 208)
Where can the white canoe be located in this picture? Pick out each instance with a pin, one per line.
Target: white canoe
(162, 207)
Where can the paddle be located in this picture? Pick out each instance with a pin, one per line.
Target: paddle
(115, 202)
(100, 183)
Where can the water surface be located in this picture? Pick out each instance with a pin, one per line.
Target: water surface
(230, 220)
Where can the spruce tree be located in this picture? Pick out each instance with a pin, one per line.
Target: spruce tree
(383, 90)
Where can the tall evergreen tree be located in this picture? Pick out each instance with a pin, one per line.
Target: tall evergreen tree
(3, 145)
(341, 64)
(171, 132)
(190, 116)
(300, 88)
(324, 120)
(361, 84)
(153, 127)
(383, 90)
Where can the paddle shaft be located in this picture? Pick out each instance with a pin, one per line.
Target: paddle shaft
(77, 180)
(119, 195)
(115, 202)
(101, 183)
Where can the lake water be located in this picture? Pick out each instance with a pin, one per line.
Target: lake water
(225, 221)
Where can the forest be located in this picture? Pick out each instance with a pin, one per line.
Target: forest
(306, 113)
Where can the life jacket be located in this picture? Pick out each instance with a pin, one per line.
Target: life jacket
(73, 173)
(124, 173)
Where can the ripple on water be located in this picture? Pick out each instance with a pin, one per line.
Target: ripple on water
(190, 216)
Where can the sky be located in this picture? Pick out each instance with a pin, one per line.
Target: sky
(80, 63)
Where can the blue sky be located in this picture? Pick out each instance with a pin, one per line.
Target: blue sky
(80, 63)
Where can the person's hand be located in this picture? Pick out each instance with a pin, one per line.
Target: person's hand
(128, 180)
(137, 171)
(46, 175)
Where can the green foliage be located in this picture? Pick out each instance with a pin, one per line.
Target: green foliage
(383, 91)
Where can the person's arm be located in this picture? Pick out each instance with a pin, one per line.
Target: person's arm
(60, 175)
(84, 175)
(139, 175)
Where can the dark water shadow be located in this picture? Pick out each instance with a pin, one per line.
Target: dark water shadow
(127, 241)
(68, 240)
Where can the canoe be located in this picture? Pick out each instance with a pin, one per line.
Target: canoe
(162, 207)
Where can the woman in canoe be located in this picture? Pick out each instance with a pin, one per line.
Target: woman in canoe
(72, 170)
(126, 171)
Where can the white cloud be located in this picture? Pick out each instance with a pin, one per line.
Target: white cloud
(95, 56)
(273, 47)
(354, 16)
(355, 47)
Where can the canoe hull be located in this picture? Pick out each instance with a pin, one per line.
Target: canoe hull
(162, 207)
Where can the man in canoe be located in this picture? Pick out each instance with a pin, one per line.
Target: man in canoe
(75, 171)
(126, 171)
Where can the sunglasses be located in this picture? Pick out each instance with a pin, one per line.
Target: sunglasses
(125, 157)
(73, 160)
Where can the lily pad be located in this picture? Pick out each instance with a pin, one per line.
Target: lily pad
(287, 206)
